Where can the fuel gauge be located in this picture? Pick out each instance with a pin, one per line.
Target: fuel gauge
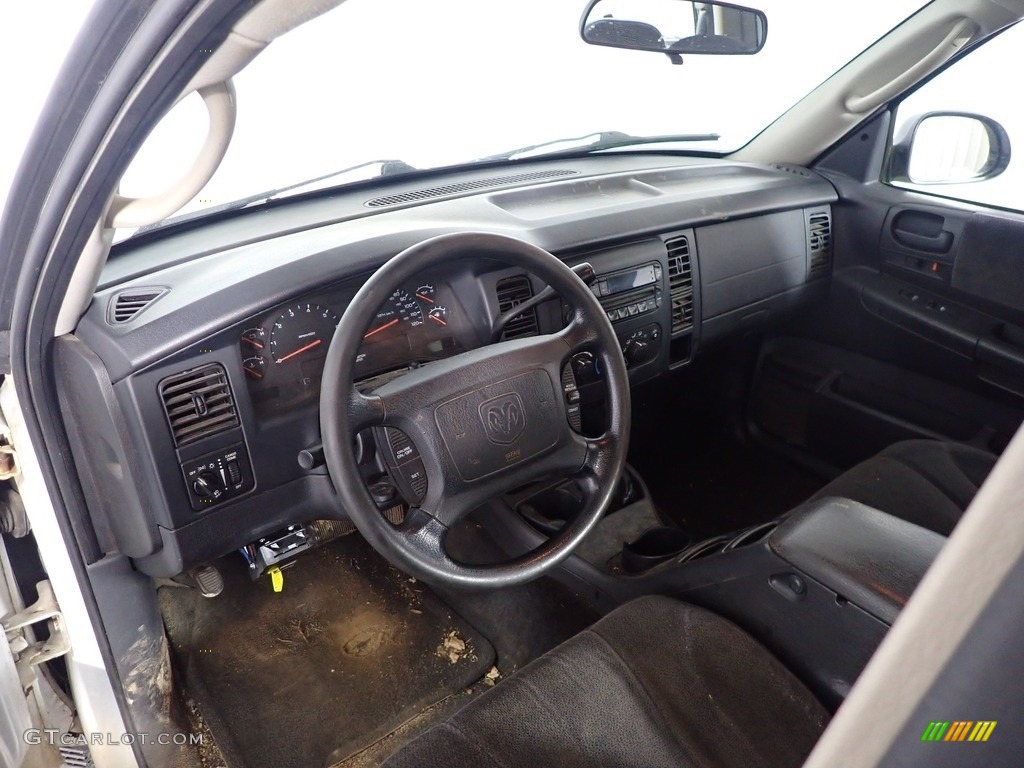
(438, 315)
(255, 367)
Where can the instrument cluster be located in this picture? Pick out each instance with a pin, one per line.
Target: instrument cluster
(283, 355)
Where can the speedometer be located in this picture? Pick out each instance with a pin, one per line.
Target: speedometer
(400, 312)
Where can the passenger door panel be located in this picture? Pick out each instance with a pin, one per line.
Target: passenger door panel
(922, 335)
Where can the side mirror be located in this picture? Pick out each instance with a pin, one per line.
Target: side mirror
(950, 148)
(674, 27)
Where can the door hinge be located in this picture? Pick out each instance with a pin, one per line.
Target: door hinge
(28, 654)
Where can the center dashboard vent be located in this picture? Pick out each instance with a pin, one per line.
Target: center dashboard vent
(513, 291)
(198, 403)
(819, 242)
(680, 283)
(466, 186)
(127, 305)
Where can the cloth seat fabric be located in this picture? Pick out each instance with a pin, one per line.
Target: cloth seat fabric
(656, 683)
(927, 482)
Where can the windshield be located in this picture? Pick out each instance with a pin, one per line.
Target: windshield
(454, 81)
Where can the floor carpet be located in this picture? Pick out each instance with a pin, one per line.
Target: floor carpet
(349, 651)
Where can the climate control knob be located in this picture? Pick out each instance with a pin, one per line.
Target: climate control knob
(636, 352)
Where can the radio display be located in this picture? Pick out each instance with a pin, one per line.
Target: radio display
(628, 280)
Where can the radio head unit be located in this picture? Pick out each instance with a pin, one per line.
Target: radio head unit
(631, 292)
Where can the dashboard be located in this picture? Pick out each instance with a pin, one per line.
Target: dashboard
(196, 372)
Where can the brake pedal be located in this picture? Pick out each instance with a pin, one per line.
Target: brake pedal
(208, 579)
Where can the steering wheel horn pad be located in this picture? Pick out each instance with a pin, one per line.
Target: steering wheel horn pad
(499, 425)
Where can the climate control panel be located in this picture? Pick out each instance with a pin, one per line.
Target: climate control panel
(217, 477)
(641, 346)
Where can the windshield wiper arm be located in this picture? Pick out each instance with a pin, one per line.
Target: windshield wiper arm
(595, 142)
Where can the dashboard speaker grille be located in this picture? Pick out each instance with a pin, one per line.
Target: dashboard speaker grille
(466, 186)
(198, 403)
(126, 305)
(819, 242)
(513, 291)
(680, 283)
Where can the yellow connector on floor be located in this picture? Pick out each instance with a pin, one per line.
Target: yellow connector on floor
(276, 578)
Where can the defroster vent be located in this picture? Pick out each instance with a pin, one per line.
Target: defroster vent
(493, 182)
(680, 283)
(819, 242)
(198, 403)
(126, 305)
(513, 291)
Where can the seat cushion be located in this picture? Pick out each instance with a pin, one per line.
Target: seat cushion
(926, 482)
(657, 682)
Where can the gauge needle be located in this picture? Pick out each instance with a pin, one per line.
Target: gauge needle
(425, 298)
(388, 324)
(299, 351)
(255, 343)
(438, 320)
(253, 372)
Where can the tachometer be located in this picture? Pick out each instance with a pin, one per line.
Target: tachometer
(302, 332)
(400, 311)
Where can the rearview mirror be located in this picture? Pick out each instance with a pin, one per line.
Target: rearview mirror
(674, 27)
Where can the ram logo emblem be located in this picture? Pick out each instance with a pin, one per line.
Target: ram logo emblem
(503, 418)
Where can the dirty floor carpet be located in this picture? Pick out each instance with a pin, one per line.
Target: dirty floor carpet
(346, 653)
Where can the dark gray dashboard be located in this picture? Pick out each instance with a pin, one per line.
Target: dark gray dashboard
(687, 250)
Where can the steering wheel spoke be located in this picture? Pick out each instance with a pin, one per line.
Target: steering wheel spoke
(600, 453)
(365, 411)
(581, 333)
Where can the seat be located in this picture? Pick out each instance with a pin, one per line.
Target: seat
(655, 683)
(927, 482)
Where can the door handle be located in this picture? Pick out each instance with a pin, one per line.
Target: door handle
(941, 243)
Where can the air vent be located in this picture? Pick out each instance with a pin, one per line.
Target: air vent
(126, 305)
(466, 186)
(819, 242)
(75, 754)
(513, 291)
(198, 403)
(680, 283)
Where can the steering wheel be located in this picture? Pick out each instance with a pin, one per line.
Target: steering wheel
(484, 422)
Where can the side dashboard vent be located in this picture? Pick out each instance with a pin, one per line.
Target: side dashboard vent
(680, 283)
(819, 242)
(198, 403)
(466, 186)
(513, 291)
(126, 305)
